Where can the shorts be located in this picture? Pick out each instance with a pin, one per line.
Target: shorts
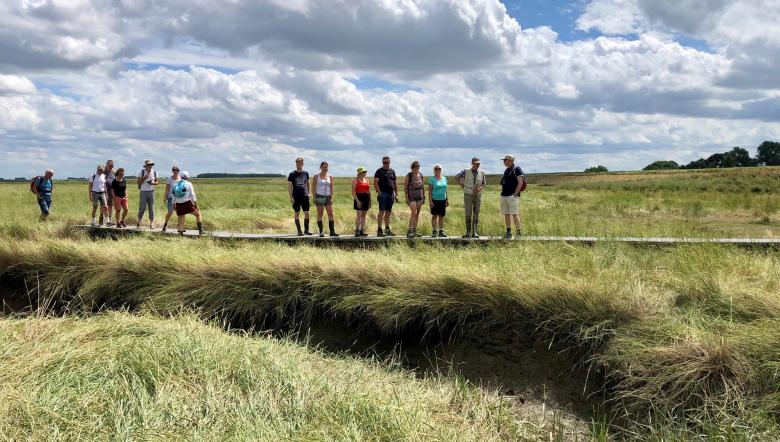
(416, 197)
(365, 201)
(439, 207)
(319, 198)
(510, 205)
(184, 208)
(301, 202)
(120, 202)
(99, 198)
(110, 198)
(386, 200)
(45, 205)
(169, 200)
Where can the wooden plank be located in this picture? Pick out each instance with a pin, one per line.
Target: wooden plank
(373, 240)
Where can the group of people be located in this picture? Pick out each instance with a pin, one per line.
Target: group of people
(108, 189)
(415, 190)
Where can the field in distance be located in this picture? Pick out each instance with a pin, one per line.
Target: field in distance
(691, 203)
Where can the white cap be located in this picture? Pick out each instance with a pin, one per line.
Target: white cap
(184, 175)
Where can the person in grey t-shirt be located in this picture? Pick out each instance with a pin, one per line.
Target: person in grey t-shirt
(147, 180)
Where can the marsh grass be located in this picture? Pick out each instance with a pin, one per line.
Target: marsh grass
(686, 337)
(120, 377)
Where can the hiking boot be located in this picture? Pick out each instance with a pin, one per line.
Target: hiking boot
(93, 223)
(518, 234)
(200, 228)
(164, 228)
(442, 234)
(380, 233)
(332, 228)
(389, 232)
(508, 234)
(306, 230)
(433, 234)
(410, 233)
(357, 233)
(363, 233)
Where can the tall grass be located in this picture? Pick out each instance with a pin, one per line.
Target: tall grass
(122, 377)
(684, 336)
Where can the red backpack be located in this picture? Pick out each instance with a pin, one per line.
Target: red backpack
(34, 183)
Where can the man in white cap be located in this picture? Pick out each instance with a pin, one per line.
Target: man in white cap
(511, 186)
(147, 181)
(473, 182)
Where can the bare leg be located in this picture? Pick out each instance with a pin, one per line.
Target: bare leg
(181, 224)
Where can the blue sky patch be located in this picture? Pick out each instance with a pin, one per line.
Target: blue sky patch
(369, 82)
(135, 66)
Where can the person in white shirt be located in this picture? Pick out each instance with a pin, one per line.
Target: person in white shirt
(97, 193)
(169, 183)
(185, 202)
(147, 181)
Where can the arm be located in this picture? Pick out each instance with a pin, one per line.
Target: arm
(430, 194)
(406, 188)
(194, 198)
(89, 189)
(35, 188)
(332, 195)
(519, 184)
(479, 188)
(141, 177)
(313, 186)
(395, 187)
(155, 182)
(354, 193)
(167, 189)
(376, 185)
(289, 190)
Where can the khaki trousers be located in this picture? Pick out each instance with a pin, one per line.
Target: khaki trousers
(472, 204)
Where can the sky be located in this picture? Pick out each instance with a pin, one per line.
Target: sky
(249, 85)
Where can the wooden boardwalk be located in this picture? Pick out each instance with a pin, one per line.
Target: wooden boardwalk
(349, 240)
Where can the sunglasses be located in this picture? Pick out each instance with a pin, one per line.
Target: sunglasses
(437, 168)
(175, 170)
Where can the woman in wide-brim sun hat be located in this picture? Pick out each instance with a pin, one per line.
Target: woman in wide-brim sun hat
(185, 202)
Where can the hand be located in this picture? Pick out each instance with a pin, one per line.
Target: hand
(430, 204)
(446, 203)
(359, 204)
(292, 200)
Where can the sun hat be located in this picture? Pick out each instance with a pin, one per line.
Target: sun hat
(148, 163)
(361, 169)
(184, 175)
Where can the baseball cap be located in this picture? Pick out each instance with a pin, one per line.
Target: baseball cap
(361, 169)
(184, 175)
(508, 157)
(475, 160)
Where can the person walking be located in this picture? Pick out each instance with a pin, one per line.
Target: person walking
(414, 190)
(185, 202)
(97, 193)
(473, 182)
(386, 187)
(119, 190)
(298, 189)
(110, 175)
(169, 183)
(437, 194)
(43, 188)
(322, 188)
(147, 181)
(361, 196)
(511, 186)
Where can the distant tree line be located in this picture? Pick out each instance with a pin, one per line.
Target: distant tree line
(596, 169)
(768, 154)
(239, 175)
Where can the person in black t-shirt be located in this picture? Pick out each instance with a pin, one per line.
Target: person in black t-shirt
(298, 189)
(511, 183)
(119, 190)
(386, 187)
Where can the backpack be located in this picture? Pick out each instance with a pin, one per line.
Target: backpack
(180, 189)
(35, 183)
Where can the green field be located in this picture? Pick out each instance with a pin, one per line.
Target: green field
(709, 203)
(677, 342)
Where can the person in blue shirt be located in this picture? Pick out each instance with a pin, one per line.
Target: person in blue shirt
(43, 188)
(511, 185)
(437, 197)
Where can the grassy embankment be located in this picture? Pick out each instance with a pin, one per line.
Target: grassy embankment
(121, 377)
(710, 203)
(687, 337)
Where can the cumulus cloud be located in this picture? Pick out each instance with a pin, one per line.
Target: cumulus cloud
(80, 82)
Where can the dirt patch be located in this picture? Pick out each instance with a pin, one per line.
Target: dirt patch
(541, 384)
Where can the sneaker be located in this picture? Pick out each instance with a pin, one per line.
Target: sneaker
(508, 235)
(322, 235)
(468, 235)
(151, 226)
(164, 228)
(442, 234)
(307, 233)
(518, 234)
(300, 233)
(334, 234)
(389, 232)
(110, 224)
(475, 235)
(93, 223)
(138, 226)
(380, 233)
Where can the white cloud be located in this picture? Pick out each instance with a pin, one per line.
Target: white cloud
(15, 84)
